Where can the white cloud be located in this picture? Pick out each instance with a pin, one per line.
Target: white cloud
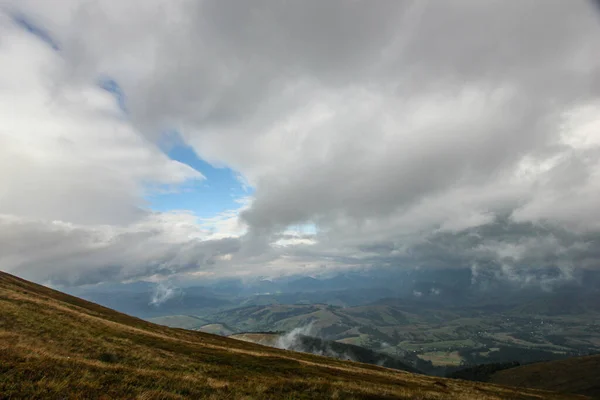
(163, 291)
(66, 150)
(158, 245)
(383, 125)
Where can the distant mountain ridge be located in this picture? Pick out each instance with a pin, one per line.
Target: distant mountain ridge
(446, 287)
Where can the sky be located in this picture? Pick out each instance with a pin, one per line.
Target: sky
(143, 140)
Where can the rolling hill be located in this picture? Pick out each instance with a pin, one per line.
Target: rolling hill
(308, 344)
(432, 337)
(179, 321)
(54, 345)
(326, 320)
(573, 375)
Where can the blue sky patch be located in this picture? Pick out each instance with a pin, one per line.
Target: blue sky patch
(220, 191)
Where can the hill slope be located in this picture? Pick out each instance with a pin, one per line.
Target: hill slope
(573, 375)
(313, 345)
(53, 345)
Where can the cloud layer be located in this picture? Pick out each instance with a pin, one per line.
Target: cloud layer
(398, 129)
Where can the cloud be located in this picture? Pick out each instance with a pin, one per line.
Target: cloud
(407, 132)
(163, 291)
(66, 150)
(292, 339)
(160, 245)
(302, 339)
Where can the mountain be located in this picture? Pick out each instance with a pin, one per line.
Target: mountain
(307, 344)
(326, 321)
(434, 337)
(57, 346)
(179, 321)
(190, 301)
(442, 288)
(573, 375)
(217, 329)
(565, 302)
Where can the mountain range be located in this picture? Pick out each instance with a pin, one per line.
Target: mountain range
(59, 346)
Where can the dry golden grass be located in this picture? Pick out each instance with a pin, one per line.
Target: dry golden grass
(53, 345)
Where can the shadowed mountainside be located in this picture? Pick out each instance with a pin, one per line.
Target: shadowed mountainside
(53, 345)
(573, 375)
(329, 348)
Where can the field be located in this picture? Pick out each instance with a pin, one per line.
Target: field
(442, 357)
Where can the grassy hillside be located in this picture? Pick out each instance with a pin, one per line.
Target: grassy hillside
(266, 339)
(573, 375)
(216, 329)
(179, 321)
(53, 345)
(313, 345)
